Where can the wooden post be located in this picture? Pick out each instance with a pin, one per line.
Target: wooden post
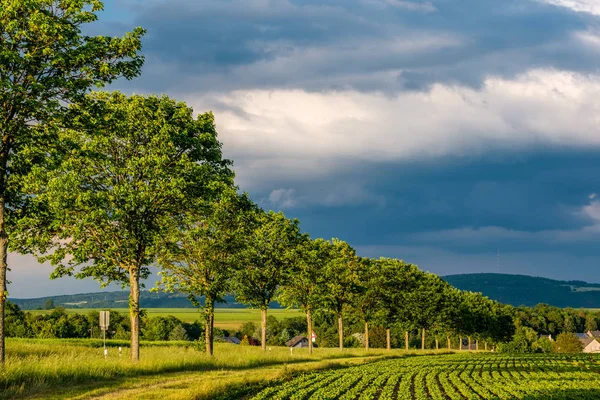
(388, 339)
(477, 344)
(449, 343)
(309, 323)
(341, 331)
(469, 337)
(485, 345)
(366, 336)
(437, 346)
(460, 343)
(406, 340)
(423, 339)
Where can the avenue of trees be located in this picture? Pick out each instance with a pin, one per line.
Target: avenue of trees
(105, 186)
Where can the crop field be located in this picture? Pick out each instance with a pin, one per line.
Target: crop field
(454, 377)
(226, 318)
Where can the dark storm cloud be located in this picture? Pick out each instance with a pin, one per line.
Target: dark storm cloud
(234, 44)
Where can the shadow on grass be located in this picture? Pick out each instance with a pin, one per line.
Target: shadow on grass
(50, 383)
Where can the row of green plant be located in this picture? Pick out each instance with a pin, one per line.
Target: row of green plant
(454, 377)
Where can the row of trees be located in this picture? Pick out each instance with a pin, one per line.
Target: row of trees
(105, 185)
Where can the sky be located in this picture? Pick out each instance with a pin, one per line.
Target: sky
(461, 136)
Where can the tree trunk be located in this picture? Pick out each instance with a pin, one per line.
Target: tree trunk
(6, 144)
(460, 342)
(449, 343)
(309, 325)
(437, 345)
(3, 269)
(477, 344)
(134, 312)
(469, 337)
(406, 340)
(341, 331)
(423, 339)
(388, 339)
(209, 321)
(263, 328)
(485, 345)
(366, 336)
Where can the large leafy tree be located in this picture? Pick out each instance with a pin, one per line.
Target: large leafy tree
(206, 251)
(430, 302)
(305, 286)
(46, 63)
(342, 273)
(367, 303)
(394, 283)
(267, 261)
(133, 169)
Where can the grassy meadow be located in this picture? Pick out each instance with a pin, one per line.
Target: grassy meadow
(76, 368)
(225, 318)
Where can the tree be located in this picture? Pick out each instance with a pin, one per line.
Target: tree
(305, 286)
(394, 282)
(341, 282)
(49, 304)
(567, 343)
(134, 166)
(203, 254)
(266, 262)
(429, 303)
(45, 63)
(367, 302)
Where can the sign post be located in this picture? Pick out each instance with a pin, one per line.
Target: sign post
(104, 323)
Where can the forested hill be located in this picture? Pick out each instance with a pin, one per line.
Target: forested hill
(529, 290)
(118, 299)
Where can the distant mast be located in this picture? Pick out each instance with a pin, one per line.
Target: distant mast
(498, 260)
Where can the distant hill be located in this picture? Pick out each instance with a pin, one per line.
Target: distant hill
(529, 290)
(120, 299)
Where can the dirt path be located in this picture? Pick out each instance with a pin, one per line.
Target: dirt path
(195, 385)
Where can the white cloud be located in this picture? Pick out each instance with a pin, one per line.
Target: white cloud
(284, 198)
(332, 196)
(587, 6)
(300, 135)
(412, 6)
(592, 210)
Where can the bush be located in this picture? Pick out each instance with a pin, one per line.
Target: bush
(567, 343)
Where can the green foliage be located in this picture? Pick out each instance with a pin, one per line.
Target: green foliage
(525, 340)
(457, 376)
(305, 285)
(567, 343)
(267, 259)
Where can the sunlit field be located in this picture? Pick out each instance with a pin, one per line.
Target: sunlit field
(226, 318)
(55, 368)
(456, 377)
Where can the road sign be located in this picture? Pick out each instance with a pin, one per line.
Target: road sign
(314, 336)
(104, 320)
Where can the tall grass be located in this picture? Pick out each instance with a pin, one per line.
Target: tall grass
(37, 365)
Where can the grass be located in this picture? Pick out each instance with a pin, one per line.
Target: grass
(226, 318)
(55, 368)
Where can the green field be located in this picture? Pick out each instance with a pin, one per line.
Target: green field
(226, 318)
(455, 377)
(77, 369)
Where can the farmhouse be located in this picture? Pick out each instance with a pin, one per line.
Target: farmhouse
(593, 334)
(232, 339)
(549, 337)
(297, 341)
(591, 345)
